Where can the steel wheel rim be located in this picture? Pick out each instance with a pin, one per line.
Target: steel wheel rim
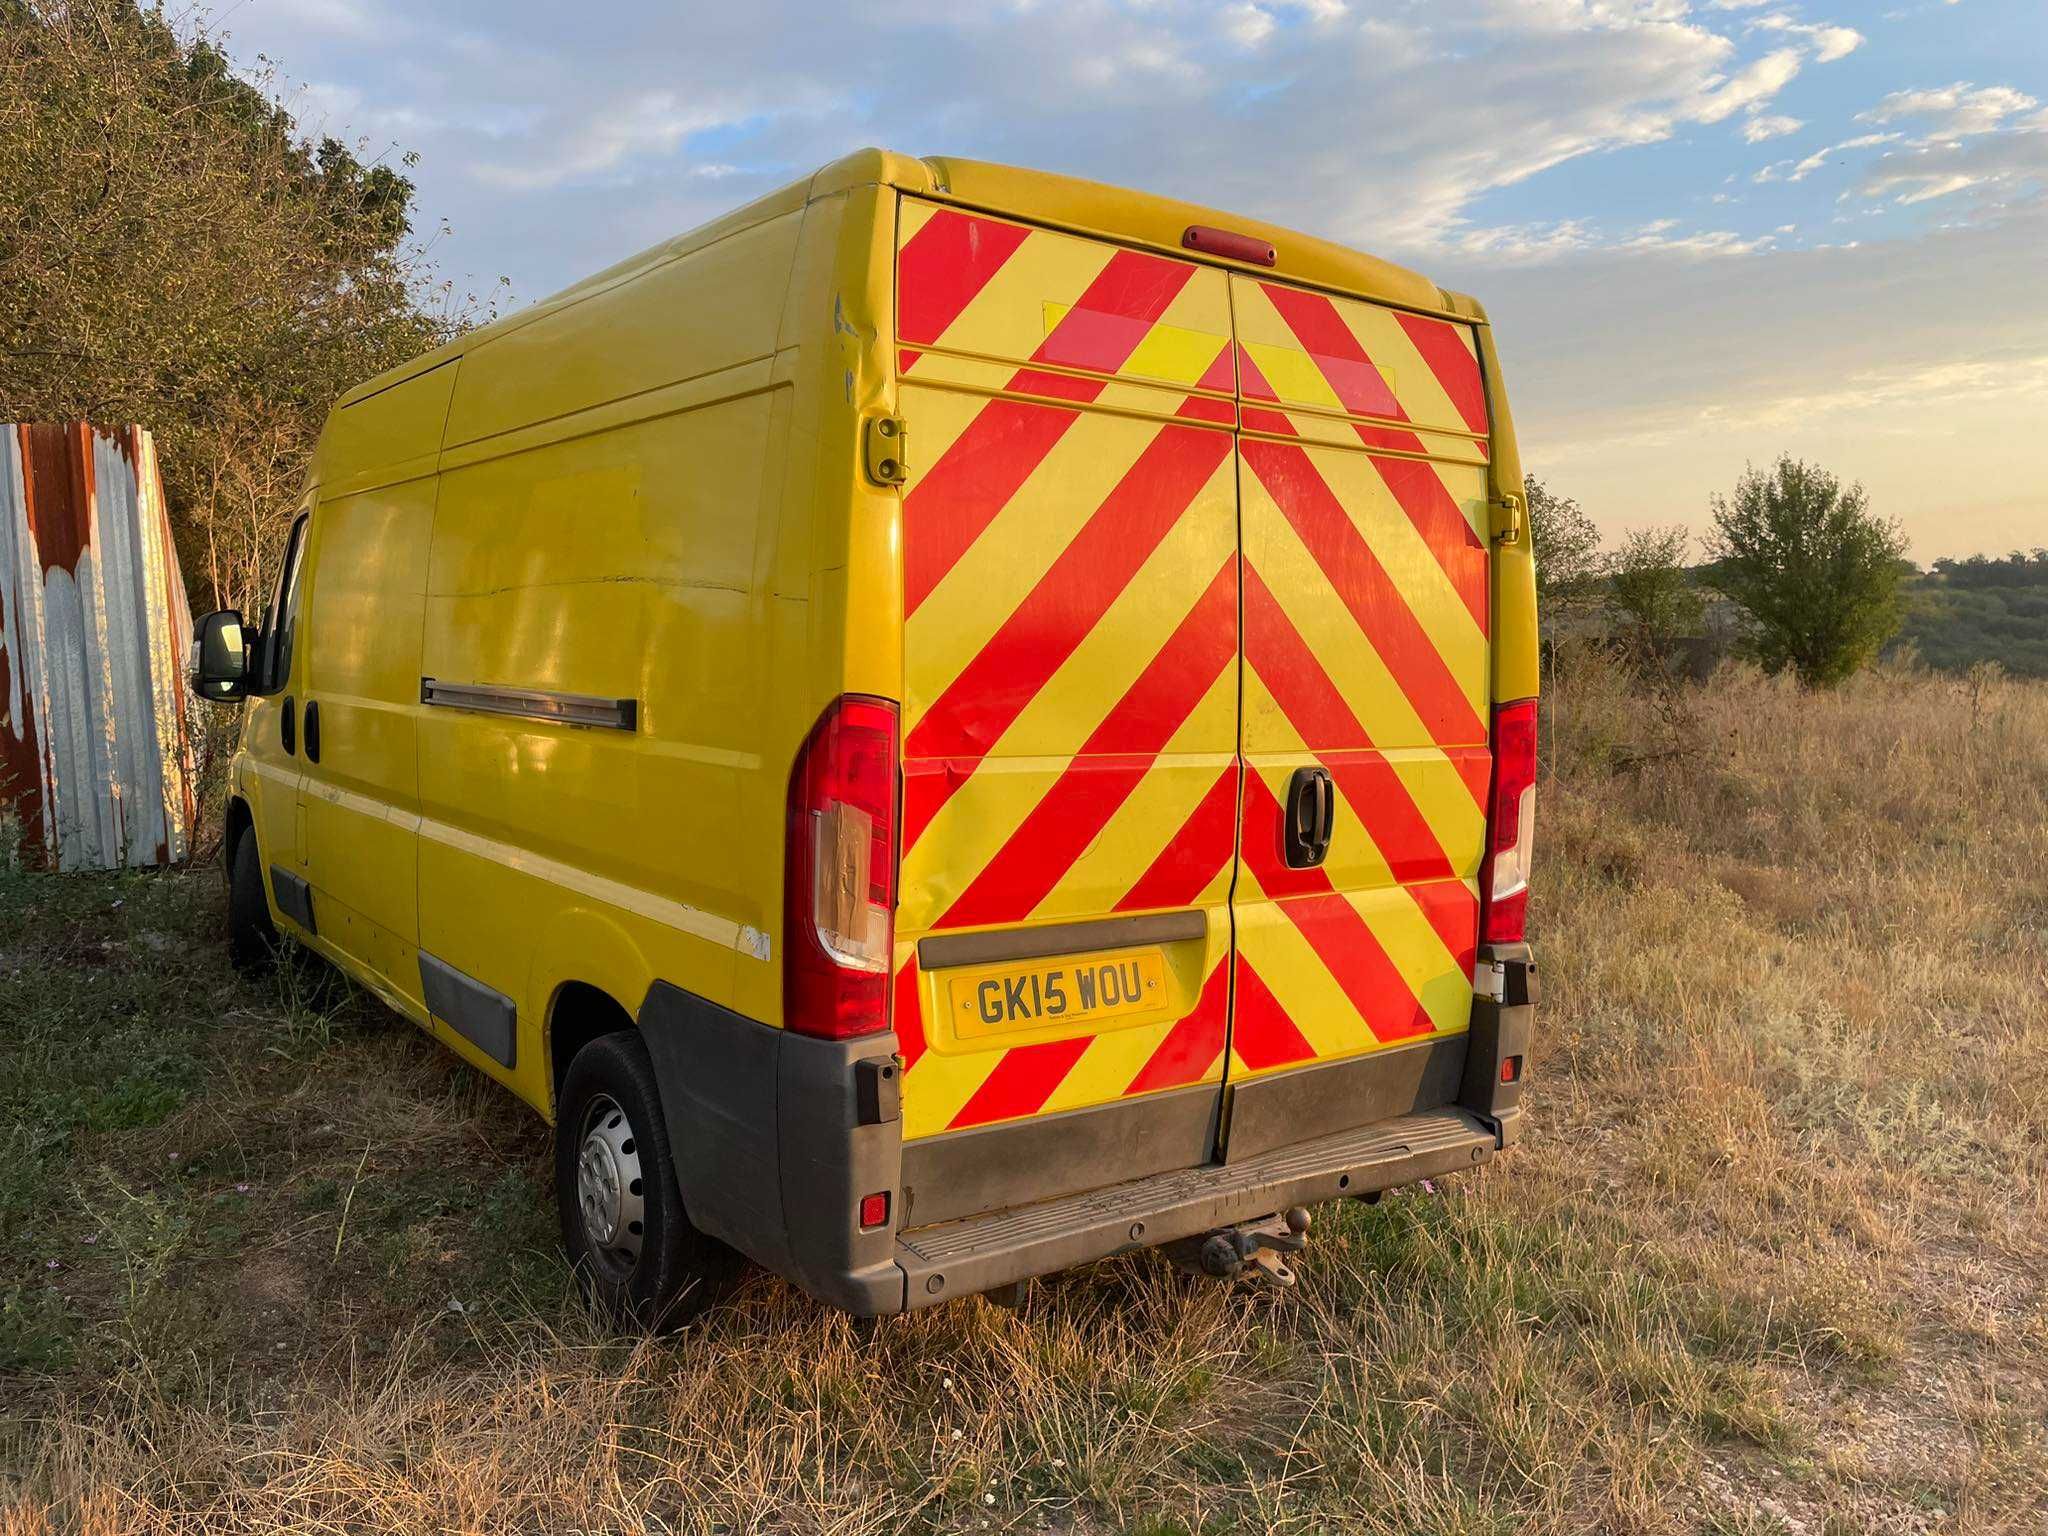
(610, 1192)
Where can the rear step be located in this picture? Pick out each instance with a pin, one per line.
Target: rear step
(983, 1252)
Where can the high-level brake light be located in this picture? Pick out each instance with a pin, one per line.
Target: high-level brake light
(840, 893)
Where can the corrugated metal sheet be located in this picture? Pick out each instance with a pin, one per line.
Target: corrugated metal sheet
(95, 762)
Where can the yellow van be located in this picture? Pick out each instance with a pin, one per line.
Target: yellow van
(951, 722)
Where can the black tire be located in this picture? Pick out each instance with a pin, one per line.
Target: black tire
(252, 940)
(659, 1272)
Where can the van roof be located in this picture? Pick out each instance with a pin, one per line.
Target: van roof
(1039, 197)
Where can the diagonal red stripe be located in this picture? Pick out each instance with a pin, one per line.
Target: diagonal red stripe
(1397, 438)
(1193, 1044)
(1260, 1031)
(909, 1018)
(1475, 768)
(1110, 765)
(942, 267)
(1421, 494)
(946, 511)
(1453, 911)
(927, 785)
(1251, 382)
(1219, 375)
(1379, 797)
(1194, 856)
(1111, 318)
(1058, 386)
(1354, 957)
(1303, 690)
(1022, 1081)
(1357, 576)
(1335, 351)
(1442, 346)
(1068, 602)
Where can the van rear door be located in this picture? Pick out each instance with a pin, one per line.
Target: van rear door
(1366, 686)
(1070, 602)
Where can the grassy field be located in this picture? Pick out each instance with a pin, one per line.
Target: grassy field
(1774, 1258)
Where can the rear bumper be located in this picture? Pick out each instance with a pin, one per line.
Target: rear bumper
(983, 1252)
(777, 1137)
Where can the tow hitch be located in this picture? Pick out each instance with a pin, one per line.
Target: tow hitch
(1251, 1250)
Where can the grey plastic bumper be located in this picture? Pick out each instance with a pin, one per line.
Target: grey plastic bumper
(777, 1136)
(979, 1254)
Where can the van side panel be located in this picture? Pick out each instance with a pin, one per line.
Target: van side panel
(1069, 677)
(1367, 658)
(360, 636)
(596, 542)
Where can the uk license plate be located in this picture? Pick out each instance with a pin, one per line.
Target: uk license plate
(1066, 993)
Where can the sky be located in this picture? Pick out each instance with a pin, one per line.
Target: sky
(1707, 233)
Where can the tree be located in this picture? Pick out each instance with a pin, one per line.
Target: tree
(173, 253)
(1566, 547)
(1649, 590)
(1816, 570)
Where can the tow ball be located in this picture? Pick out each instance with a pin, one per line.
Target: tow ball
(1252, 1250)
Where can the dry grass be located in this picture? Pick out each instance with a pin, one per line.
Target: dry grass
(1772, 1260)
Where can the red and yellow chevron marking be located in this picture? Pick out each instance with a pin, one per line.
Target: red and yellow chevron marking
(1311, 352)
(1366, 614)
(967, 283)
(1086, 637)
(1070, 640)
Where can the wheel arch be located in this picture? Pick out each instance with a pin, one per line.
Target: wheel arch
(578, 1013)
(236, 819)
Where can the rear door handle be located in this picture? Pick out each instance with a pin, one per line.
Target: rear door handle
(1311, 817)
(312, 730)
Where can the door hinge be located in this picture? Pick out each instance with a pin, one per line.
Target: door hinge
(887, 449)
(1509, 518)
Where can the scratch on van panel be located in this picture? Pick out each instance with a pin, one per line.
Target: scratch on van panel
(849, 386)
(688, 582)
(839, 319)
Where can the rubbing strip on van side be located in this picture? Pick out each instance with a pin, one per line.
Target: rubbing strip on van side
(294, 897)
(534, 704)
(481, 1015)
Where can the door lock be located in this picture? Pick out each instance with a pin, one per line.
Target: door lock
(1311, 817)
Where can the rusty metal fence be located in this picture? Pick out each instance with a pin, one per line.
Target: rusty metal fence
(95, 759)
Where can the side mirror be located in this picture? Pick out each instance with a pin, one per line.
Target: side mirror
(222, 648)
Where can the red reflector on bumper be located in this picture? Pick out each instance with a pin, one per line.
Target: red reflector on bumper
(1511, 1069)
(874, 1210)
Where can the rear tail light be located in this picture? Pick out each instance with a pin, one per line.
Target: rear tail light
(839, 902)
(1511, 826)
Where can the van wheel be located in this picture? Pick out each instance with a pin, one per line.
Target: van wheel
(252, 940)
(634, 1251)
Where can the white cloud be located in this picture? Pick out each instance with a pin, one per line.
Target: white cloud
(1754, 85)
(1762, 126)
(1535, 244)
(1956, 111)
(653, 122)
(1247, 25)
(1829, 42)
(1789, 170)
(1379, 122)
(1975, 140)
